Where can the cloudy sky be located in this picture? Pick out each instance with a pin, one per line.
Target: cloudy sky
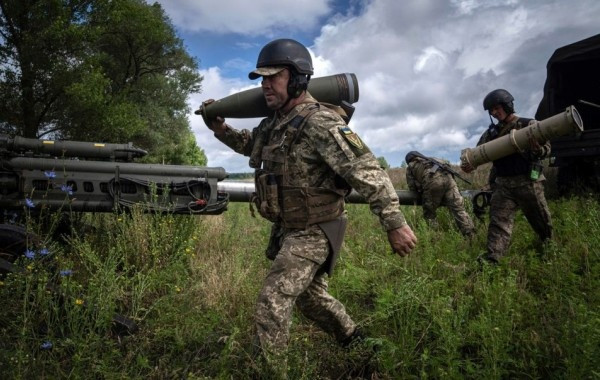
(423, 66)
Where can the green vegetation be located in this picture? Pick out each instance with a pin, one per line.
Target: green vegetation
(383, 162)
(190, 284)
(97, 70)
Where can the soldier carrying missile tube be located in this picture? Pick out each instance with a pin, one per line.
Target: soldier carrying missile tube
(305, 156)
(518, 176)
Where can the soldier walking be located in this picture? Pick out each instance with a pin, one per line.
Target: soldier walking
(304, 158)
(519, 182)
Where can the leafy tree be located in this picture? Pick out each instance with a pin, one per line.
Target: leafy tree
(383, 163)
(97, 70)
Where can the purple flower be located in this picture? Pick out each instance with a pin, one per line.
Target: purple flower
(50, 174)
(46, 345)
(30, 254)
(44, 251)
(29, 203)
(66, 272)
(67, 189)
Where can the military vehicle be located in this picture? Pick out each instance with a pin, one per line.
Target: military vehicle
(573, 78)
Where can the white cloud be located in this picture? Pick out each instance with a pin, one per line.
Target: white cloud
(423, 66)
(256, 17)
(431, 60)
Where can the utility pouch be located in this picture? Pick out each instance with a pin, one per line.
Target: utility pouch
(535, 170)
(266, 198)
(303, 206)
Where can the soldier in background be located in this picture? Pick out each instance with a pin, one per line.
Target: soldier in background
(518, 179)
(437, 188)
(304, 158)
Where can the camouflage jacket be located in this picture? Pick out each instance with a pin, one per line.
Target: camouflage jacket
(420, 171)
(324, 147)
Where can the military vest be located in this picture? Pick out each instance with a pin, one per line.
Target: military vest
(516, 163)
(275, 199)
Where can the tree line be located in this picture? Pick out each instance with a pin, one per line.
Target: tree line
(97, 70)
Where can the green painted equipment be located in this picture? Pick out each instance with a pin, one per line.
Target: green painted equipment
(339, 90)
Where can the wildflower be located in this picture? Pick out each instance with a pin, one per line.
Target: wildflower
(29, 203)
(29, 267)
(66, 272)
(177, 289)
(44, 251)
(67, 189)
(30, 254)
(46, 345)
(1, 283)
(78, 301)
(50, 174)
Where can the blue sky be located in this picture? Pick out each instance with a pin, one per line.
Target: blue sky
(423, 66)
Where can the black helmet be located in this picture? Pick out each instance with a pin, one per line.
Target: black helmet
(410, 155)
(284, 52)
(499, 96)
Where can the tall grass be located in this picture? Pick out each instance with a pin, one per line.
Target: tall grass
(190, 283)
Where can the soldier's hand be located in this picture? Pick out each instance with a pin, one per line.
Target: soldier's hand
(216, 124)
(402, 240)
(466, 167)
(535, 147)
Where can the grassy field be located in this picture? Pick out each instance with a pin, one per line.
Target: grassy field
(190, 283)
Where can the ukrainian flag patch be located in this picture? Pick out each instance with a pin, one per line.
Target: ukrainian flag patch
(351, 137)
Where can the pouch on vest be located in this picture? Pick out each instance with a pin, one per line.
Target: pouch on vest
(303, 206)
(266, 198)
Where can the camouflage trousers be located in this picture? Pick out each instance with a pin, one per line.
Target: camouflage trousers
(296, 278)
(441, 190)
(504, 204)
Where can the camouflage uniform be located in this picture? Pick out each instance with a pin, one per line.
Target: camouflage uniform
(323, 151)
(438, 188)
(514, 188)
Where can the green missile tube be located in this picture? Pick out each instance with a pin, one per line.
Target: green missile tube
(564, 123)
(333, 89)
(58, 148)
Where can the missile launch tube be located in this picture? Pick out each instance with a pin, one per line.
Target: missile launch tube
(567, 122)
(251, 103)
(45, 164)
(70, 148)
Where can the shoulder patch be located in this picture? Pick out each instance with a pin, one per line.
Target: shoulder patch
(351, 137)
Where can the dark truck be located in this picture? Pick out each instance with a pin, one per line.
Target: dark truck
(573, 78)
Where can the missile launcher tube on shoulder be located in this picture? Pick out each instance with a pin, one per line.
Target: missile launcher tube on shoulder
(339, 90)
(565, 123)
